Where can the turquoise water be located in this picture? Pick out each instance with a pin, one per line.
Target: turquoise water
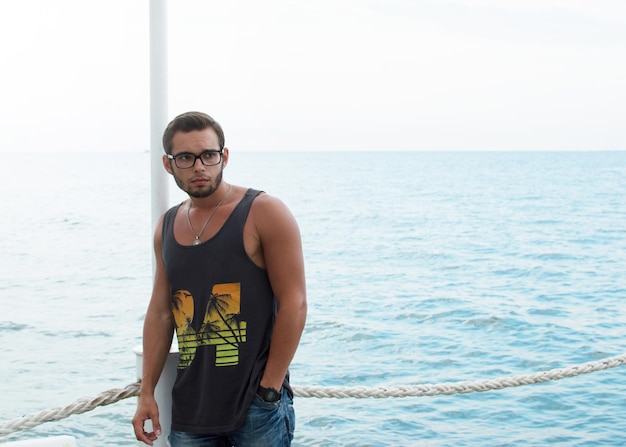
(421, 268)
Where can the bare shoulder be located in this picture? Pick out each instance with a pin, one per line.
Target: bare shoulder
(271, 234)
(270, 211)
(265, 200)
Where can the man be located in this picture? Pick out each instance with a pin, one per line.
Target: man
(230, 280)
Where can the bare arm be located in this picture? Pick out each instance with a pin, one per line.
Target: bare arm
(281, 248)
(157, 338)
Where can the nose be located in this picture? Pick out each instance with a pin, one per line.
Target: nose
(198, 164)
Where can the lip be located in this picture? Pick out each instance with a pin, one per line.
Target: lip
(200, 181)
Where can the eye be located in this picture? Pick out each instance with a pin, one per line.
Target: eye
(209, 155)
(185, 157)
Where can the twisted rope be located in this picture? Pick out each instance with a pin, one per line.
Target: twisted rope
(114, 395)
(459, 387)
(82, 405)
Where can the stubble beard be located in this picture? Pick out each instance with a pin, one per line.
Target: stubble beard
(200, 193)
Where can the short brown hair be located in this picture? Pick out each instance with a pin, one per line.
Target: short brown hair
(188, 122)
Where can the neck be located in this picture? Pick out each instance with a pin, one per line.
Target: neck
(212, 200)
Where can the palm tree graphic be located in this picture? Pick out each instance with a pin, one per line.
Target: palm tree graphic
(220, 327)
(183, 309)
(220, 303)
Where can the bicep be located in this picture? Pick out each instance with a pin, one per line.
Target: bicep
(282, 252)
(160, 300)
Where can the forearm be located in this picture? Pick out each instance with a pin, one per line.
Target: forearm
(288, 327)
(157, 340)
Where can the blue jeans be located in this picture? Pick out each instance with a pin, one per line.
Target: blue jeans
(266, 425)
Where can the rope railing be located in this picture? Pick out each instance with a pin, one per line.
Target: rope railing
(82, 405)
(459, 387)
(114, 395)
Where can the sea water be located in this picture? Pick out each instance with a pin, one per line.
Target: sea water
(422, 268)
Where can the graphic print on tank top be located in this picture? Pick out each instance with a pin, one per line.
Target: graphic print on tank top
(221, 326)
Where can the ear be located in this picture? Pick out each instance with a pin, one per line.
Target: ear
(167, 164)
(225, 157)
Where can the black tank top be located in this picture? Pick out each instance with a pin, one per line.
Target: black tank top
(223, 307)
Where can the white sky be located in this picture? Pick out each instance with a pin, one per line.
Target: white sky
(320, 75)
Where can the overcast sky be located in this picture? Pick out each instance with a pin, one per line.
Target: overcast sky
(320, 75)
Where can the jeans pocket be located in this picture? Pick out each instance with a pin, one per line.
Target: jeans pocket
(290, 416)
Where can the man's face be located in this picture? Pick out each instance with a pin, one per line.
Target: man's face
(199, 180)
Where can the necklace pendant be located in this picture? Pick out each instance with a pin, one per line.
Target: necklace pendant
(197, 241)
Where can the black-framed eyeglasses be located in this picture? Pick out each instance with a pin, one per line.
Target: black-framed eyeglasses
(186, 160)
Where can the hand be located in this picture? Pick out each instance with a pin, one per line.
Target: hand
(266, 382)
(147, 409)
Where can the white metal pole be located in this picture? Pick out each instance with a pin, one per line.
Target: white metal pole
(162, 394)
(158, 106)
(159, 191)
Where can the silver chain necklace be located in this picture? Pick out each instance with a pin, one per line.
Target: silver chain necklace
(197, 241)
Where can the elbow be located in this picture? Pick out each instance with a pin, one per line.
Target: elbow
(295, 309)
(301, 309)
